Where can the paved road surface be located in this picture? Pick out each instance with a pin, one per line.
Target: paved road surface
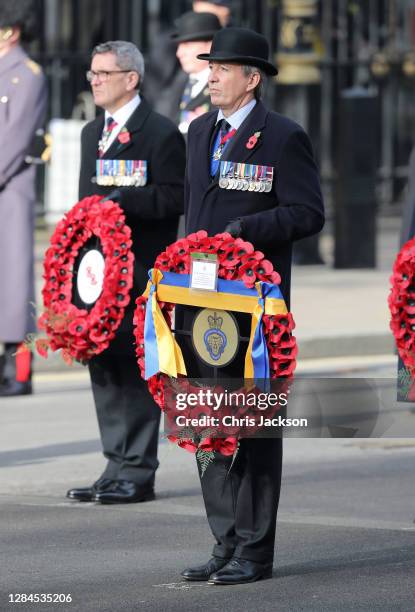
(346, 533)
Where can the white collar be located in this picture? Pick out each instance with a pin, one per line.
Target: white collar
(200, 77)
(122, 115)
(239, 116)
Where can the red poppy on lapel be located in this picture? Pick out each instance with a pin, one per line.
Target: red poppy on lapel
(124, 136)
(252, 140)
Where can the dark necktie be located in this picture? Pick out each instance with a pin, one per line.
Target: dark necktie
(223, 135)
(110, 124)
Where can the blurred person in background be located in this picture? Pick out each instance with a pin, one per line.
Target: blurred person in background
(189, 93)
(162, 63)
(23, 100)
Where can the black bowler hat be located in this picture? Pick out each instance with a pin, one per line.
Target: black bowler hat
(240, 46)
(196, 26)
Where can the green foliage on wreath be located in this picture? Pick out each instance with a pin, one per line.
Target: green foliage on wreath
(204, 459)
(405, 382)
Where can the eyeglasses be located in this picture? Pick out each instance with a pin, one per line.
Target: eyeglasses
(102, 75)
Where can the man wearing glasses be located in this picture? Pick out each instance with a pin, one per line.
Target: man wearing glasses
(143, 155)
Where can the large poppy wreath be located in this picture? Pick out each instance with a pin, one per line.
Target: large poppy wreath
(238, 260)
(79, 332)
(402, 303)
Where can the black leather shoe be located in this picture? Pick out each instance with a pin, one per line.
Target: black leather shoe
(12, 388)
(125, 492)
(240, 571)
(87, 494)
(203, 572)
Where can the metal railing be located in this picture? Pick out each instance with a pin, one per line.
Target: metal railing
(345, 42)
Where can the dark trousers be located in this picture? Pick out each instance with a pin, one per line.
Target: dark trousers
(128, 419)
(242, 502)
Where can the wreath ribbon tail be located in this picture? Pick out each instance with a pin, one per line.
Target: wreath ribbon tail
(256, 358)
(162, 353)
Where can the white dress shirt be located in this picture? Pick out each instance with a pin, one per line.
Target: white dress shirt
(238, 116)
(121, 116)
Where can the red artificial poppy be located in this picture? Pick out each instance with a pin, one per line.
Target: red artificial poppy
(155, 386)
(401, 302)
(226, 446)
(249, 257)
(275, 278)
(180, 247)
(227, 273)
(238, 260)
(79, 333)
(247, 273)
(124, 136)
(207, 445)
(42, 345)
(77, 327)
(188, 445)
(252, 140)
(229, 258)
(243, 248)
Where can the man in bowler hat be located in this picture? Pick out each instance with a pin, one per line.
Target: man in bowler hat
(129, 133)
(163, 65)
(23, 100)
(190, 93)
(241, 494)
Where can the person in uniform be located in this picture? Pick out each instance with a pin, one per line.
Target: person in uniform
(129, 130)
(23, 100)
(193, 36)
(250, 172)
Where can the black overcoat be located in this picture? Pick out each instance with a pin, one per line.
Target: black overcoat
(152, 211)
(241, 495)
(292, 210)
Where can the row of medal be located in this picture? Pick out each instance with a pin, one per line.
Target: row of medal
(245, 177)
(121, 172)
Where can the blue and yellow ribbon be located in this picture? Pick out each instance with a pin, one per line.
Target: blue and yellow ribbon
(162, 353)
(256, 359)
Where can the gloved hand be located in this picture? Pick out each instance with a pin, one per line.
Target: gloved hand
(235, 228)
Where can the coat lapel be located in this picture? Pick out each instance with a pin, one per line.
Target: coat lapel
(93, 140)
(255, 122)
(133, 125)
(202, 139)
(237, 151)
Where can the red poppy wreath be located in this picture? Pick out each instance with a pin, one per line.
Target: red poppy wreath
(238, 260)
(402, 303)
(79, 332)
